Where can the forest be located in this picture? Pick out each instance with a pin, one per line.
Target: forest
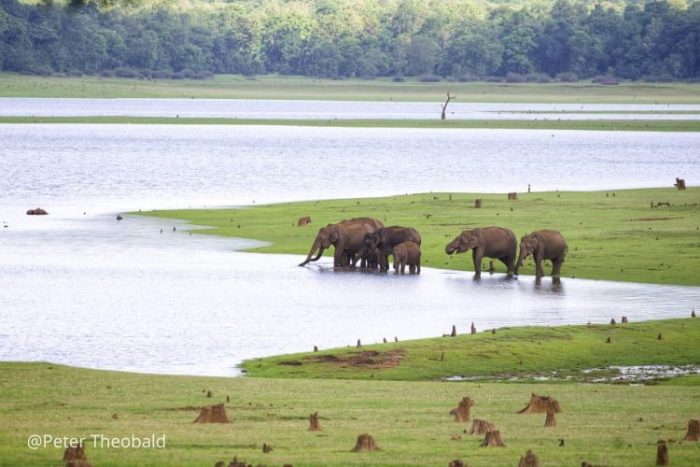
(515, 41)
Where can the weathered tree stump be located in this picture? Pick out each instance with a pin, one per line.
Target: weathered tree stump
(661, 453)
(513, 196)
(234, 463)
(612, 322)
(624, 319)
(212, 414)
(119, 217)
(551, 419)
(74, 456)
(473, 330)
(477, 203)
(266, 448)
(659, 337)
(493, 331)
(315, 348)
(481, 427)
(461, 413)
(492, 439)
(608, 340)
(457, 463)
(692, 313)
(365, 443)
(37, 212)
(359, 344)
(529, 460)
(209, 394)
(454, 331)
(314, 425)
(541, 404)
(384, 340)
(680, 183)
(306, 220)
(693, 433)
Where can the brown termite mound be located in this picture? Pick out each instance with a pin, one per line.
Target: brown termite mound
(661, 453)
(493, 439)
(74, 456)
(529, 460)
(693, 433)
(541, 404)
(364, 443)
(212, 414)
(314, 425)
(481, 427)
(551, 419)
(461, 413)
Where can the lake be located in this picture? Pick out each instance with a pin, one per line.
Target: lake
(80, 288)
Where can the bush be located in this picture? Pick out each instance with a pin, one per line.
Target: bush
(398, 79)
(515, 78)
(538, 78)
(125, 73)
(107, 73)
(467, 78)
(178, 75)
(429, 78)
(658, 78)
(205, 75)
(567, 77)
(161, 74)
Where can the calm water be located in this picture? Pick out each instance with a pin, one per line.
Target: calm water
(80, 288)
(245, 108)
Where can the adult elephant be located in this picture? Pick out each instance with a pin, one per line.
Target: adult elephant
(385, 239)
(490, 242)
(543, 244)
(346, 236)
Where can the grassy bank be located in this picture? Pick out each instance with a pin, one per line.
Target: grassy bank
(591, 125)
(601, 424)
(612, 235)
(522, 353)
(279, 87)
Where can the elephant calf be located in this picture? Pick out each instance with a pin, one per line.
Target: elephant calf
(406, 253)
(543, 244)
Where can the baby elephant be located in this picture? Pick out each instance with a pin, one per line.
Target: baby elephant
(406, 253)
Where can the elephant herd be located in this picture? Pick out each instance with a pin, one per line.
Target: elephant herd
(367, 240)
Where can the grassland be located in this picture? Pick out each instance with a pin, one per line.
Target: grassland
(522, 353)
(614, 235)
(298, 88)
(591, 125)
(602, 424)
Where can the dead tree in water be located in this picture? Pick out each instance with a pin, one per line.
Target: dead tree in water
(444, 106)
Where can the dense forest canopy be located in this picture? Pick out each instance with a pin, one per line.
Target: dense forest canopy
(459, 39)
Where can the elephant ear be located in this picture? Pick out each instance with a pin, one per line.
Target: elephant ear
(333, 237)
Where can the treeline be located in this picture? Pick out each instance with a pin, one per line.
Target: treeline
(464, 40)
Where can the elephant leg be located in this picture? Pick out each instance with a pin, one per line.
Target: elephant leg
(556, 267)
(418, 267)
(539, 271)
(508, 261)
(477, 256)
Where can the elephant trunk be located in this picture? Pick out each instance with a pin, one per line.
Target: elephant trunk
(314, 247)
(521, 257)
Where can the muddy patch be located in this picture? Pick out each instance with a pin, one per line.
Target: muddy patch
(368, 359)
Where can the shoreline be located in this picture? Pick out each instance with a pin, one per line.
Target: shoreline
(502, 124)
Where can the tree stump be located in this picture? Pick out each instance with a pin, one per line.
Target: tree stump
(236, 463)
(266, 448)
(359, 344)
(212, 414)
(661, 453)
(314, 425)
(477, 203)
(306, 220)
(481, 427)
(74, 456)
(541, 404)
(454, 331)
(364, 443)
(473, 328)
(529, 460)
(680, 183)
(551, 419)
(692, 313)
(693, 433)
(457, 463)
(461, 413)
(624, 319)
(612, 322)
(493, 439)
(608, 340)
(512, 196)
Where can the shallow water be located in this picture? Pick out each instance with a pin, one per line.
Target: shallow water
(288, 109)
(80, 288)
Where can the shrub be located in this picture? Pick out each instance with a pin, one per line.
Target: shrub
(515, 78)
(161, 74)
(125, 73)
(398, 79)
(567, 77)
(538, 78)
(658, 78)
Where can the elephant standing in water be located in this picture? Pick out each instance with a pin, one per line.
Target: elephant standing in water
(490, 242)
(387, 238)
(406, 253)
(346, 236)
(543, 244)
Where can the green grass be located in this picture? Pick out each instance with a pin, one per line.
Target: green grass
(280, 87)
(602, 424)
(521, 353)
(591, 125)
(612, 235)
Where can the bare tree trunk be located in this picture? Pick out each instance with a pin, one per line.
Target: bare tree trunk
(443, 116)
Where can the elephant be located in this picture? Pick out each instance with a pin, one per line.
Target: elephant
(543, 244)
(406, 253)
(490, 242)
(387, 238)
(369, 257)
(346, 236)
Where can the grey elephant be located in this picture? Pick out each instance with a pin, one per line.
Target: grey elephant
(490, 242)
(543, 244)
(346, 236)
(387, 238)
(406, 254)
